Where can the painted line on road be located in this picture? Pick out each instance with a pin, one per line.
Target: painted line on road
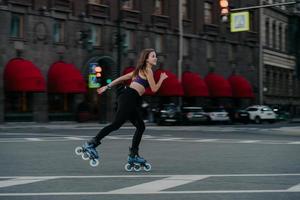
(150, 192)
(158, 185)
(152, 138)
(21, 181)
(147, 176)
(295, 188)
(153, 187)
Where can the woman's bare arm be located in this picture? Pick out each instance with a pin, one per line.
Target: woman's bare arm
(150, 77)
(115, 82)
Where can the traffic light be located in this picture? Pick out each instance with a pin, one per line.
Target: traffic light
(224, 5)
(98, 73)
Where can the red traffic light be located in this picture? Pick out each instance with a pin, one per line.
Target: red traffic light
(98, 69)
(224, 10)
(224, 3)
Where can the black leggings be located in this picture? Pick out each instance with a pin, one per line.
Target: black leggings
(129, 102)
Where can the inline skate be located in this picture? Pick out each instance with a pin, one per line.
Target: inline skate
(136, 163)
(88, 152)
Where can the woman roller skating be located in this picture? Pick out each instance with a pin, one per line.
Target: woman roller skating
(129, 102)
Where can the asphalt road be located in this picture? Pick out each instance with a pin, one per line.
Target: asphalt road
(207, 162)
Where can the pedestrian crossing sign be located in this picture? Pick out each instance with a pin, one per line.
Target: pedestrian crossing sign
(239, 21)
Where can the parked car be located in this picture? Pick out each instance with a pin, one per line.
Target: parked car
(282, 115)
(259, 113)
(217, 115)
(167, 114)
(193, 115)
(237, 115)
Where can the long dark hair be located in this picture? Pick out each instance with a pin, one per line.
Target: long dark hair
(141, 63)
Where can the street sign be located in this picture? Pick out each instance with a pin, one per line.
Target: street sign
(239, 21)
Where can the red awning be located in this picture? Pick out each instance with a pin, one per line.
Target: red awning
(130, 69)
(193, 85)
(23, 76)
(240, 87)
(170, 86)
(218, 86)
(65, 78)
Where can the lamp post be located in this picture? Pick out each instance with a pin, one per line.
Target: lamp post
(180, 44)
(261, 54)
(119, 40)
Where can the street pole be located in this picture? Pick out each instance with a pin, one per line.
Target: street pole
(119, 41)
(180, 45)
(261, 54)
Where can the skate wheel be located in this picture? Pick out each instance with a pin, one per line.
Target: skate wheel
(147, 167)
(85, 156)
(94, 163)
(78, 151)
(128, 167)
(137, 167)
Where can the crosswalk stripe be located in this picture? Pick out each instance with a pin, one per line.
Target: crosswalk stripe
(295, 188)
(20, 181)
(158, 185)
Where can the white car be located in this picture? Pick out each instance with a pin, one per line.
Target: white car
(261, 113)
(217, 115)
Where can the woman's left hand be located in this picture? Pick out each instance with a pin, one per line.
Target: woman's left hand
(101, 89)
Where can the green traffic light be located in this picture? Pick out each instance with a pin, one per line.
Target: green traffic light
(108, 81)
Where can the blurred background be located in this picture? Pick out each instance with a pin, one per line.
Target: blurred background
(49, 50)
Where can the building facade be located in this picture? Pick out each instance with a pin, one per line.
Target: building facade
(48, 33)
(281, 56)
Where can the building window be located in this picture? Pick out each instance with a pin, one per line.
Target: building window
(96, 36)
(158, 7)
(18, 102)
(129, 40)
(186, 47)
(60, 102)
(280, 37)
(274, 35)
(127, 5)
(267, 33)
(185, 9)
(159, 43)
(208, 13)
(59, 31)
(17, 26)
(286, 39)
(209, 50)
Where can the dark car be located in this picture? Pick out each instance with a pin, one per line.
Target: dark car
(167, 114)
(282, 115)
(192, 115)
(241, 116)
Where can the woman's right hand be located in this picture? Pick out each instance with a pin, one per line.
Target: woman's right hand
(101, 90)
(163, 76)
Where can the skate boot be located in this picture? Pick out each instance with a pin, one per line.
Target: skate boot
(88, 152)
(136, 163)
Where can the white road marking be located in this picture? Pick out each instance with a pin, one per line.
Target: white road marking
(249, 141)
(158, 185)
(20, 181)
(298, 142)
(74, 138)
(295, 188)
(34, 139)
(206, 140)
(152, 138)
(153, 187)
